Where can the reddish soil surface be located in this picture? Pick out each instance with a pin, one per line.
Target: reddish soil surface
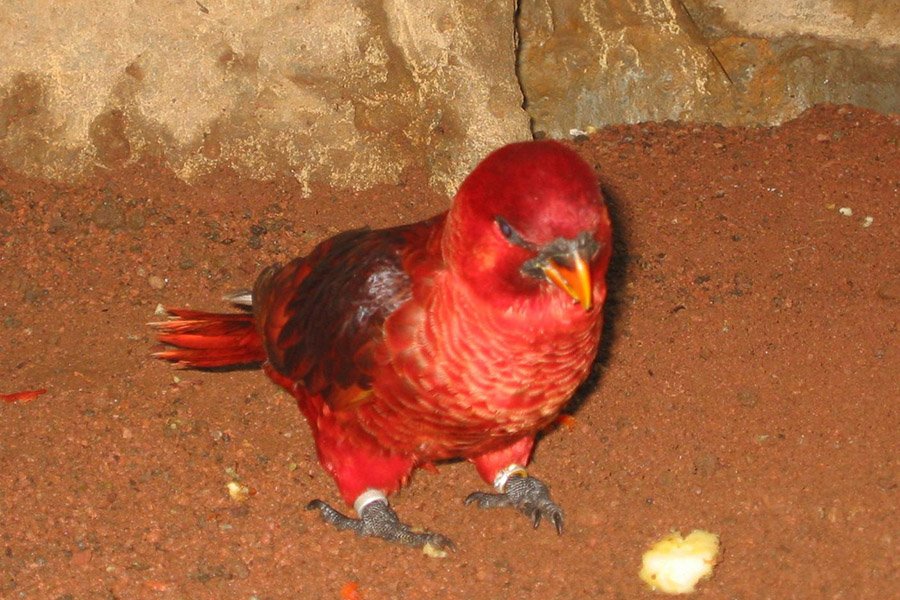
(748, 385)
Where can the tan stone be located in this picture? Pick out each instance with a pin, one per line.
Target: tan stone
(345, 92)
(845, 21)
(589, 63)
(352, 92)
(592, 62)
(784, 56)
(777, 80)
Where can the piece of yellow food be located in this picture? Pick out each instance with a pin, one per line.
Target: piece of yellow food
(675, 564)
(433, 551)
(238, 491)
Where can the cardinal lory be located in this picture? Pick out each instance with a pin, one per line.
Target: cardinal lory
(461, 336)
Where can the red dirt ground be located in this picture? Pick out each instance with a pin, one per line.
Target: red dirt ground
(748, 385)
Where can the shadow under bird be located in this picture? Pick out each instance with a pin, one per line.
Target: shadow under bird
(461, 336)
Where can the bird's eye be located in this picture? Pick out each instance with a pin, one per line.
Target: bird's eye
(505, 228)
(512, 236)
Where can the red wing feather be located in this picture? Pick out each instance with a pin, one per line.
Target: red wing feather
(322, 316)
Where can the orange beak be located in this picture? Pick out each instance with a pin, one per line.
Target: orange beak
(574, 280)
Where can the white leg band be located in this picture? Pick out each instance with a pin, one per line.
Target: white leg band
(368, 497)
(504, 475)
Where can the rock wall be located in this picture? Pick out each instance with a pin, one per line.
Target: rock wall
(588, 63)
(848, 21)
(351, 92)
(346, 92)
(783, 56)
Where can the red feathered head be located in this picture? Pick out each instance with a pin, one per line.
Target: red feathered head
(530, 221)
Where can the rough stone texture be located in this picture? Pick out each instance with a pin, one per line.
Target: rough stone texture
(849, 21)
(785, 56)
(586, 63)
(345, 92)
(352, 92)
(775, 80)
(591, 62)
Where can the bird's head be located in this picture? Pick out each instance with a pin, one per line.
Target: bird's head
(530, 222)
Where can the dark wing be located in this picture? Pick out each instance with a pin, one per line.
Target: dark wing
(322, 316)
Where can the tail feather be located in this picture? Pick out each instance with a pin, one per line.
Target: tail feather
(204, 339)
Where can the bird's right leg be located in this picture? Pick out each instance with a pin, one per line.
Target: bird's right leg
(365, 475)
(378, 519)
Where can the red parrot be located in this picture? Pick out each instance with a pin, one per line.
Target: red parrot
(461, 336)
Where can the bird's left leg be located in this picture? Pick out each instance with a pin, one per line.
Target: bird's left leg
(505, 470)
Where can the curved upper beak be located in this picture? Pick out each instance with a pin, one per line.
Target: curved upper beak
(566, 263)
(571, 273)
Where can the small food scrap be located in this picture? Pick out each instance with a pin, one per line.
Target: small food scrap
(846, 211)
(867, 221)
(433, 551)
(350, 591)
(238, 491)
(674, 564)
(22, 397)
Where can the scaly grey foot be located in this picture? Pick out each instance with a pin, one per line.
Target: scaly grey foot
(378, 519)
(527, 494)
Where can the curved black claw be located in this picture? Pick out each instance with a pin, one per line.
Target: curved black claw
(378, 519)
(528, 495)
